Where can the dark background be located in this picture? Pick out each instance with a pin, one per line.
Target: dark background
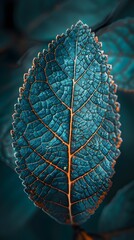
(26, 28)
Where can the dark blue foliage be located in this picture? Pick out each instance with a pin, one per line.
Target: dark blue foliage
(66, 127)
(118, 43)
(121, 209)
(44, 19)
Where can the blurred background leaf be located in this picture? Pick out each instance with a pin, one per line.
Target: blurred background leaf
(118, 215)
(118, 43)
(47, 19)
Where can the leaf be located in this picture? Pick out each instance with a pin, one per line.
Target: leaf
(15, 208)
(49, 17)
(121, 209)
(65, 129)
(118, 43)
(127, 10)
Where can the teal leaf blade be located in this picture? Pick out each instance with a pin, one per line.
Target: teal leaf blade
(121, 209)
(118, 43)
(66, 127)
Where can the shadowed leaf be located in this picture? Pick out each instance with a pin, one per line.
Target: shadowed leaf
(121, 209)
(118, 43)
(66, 127)
(51, 17)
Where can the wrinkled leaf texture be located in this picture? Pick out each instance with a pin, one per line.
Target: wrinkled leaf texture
(65, 129)
(118, 42)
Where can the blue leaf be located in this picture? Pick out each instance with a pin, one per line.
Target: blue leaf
(121, 209)
(66, 127)
(43, 19)
(118, 43)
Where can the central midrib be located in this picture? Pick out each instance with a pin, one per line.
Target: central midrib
(69, 144)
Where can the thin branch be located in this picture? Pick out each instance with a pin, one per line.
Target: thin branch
(78, 231)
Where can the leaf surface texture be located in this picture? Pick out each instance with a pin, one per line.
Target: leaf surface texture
(65, 128)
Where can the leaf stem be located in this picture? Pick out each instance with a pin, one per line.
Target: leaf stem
(101, 235)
